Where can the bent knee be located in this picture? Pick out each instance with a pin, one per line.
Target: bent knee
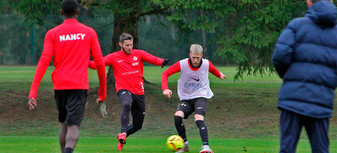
(179, 113)
(198, 117)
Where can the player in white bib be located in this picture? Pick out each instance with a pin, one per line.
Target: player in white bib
(193, 92)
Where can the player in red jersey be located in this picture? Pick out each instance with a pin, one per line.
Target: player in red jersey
(193, 91)
(71, 44)
(127, 65)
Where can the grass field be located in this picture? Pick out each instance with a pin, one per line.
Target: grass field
(15, 144)
(241, 116)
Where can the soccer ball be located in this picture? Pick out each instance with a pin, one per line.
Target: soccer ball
(174, 143)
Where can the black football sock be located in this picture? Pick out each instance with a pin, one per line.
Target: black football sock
(68, 150)
(180, 127)
(203, 131)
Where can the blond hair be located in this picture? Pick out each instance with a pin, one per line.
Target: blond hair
(196, 48)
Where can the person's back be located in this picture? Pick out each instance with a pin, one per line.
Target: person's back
(305, 57)
(70, 45)
(309, 74)
(73, 42)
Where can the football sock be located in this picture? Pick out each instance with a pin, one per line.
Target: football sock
(68, 150)
(180, 127)
(206, 147)
(203, 131)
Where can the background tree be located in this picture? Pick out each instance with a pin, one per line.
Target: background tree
(242, 33)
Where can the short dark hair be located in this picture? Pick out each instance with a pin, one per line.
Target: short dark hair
(69, 7)
(125, 36)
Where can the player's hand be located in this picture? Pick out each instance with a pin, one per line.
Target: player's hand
(32, 103)
(99, 100)
(167, 93)
(165, 61)
(222, 76)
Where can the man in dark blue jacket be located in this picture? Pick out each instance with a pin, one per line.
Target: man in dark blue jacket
(305, 57)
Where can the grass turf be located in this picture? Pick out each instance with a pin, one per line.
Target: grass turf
(241, 116)
(15, 144)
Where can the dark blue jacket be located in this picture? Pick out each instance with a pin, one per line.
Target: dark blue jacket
(305, 57)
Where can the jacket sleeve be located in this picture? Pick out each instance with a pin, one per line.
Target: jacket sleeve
(175, 68)
(96, 54)
(107, 61)
(147, 57)
(47, 54)
(283, 52)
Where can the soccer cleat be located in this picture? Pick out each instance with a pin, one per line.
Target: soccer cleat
(186, 148)
(121, 138)
(206, 149)
(119, 146)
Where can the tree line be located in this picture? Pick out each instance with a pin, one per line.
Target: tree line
(234, 32)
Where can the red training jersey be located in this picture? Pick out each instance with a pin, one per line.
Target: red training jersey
(175, 68)
(71, 44)
(128, 69)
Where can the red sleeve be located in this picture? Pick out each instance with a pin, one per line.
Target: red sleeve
(96, 54)
(47, 54)
(213, 70)
(175, 68)
(107, 62)
(147, 57)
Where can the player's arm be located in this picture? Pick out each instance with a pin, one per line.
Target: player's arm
(215, 71)
(97, 56)
(107, 60)
(283, 52)
(175, 68)
(147, 57)
(47, 54)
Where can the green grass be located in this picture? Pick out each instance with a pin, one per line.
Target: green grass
(20, 78)
(242, 115)
(14, 144)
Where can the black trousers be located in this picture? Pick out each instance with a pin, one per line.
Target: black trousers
(135, 104)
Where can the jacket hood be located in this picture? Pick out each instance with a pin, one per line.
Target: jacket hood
(323, 13)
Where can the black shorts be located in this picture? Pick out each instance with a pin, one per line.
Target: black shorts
(199, 105)
(70, 105)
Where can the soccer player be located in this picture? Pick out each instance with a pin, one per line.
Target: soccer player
(127, 65)
(193, 92)
(71, 44)
(305, 57)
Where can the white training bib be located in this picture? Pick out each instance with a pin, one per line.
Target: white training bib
(194, 84)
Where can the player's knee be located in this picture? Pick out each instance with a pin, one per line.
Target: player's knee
(127, 106)
(198, 117)
(179, 113)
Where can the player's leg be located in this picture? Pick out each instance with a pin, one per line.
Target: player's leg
(184, 109)
(76, 102)
(138, 114)
(60, 99)
(290, 130)
(62, 136)
(126, 100)
(317, 130)
(200, 111)
(71, 138)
